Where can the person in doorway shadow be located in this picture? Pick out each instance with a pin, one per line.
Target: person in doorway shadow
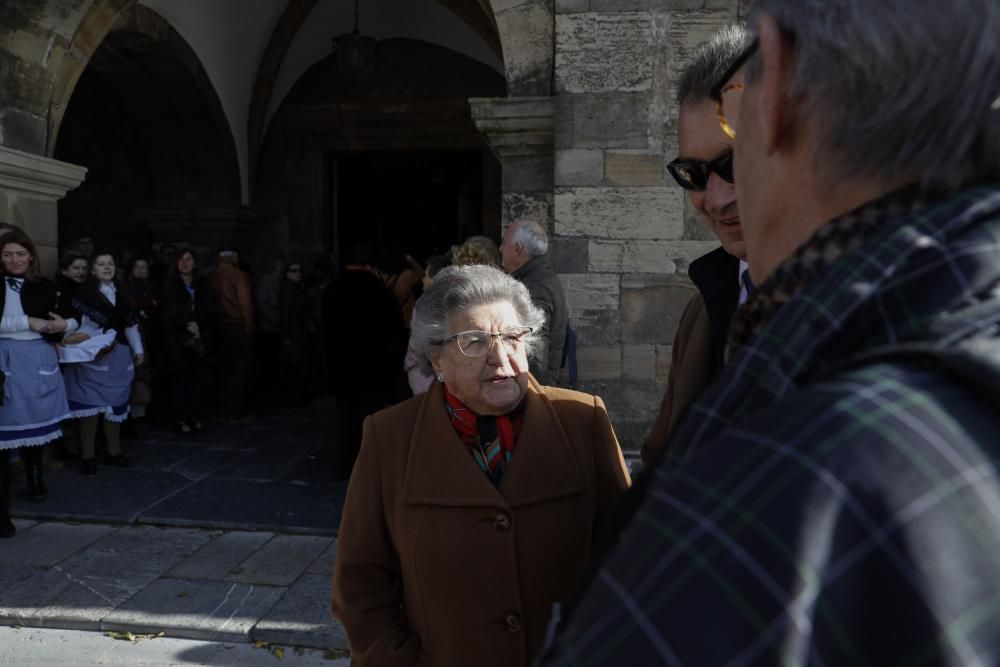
(366, 338)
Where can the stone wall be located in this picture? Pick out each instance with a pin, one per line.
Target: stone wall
(624, 233)
(30, 186)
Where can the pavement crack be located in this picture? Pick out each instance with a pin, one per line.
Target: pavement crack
(81, 582)
(235, 611)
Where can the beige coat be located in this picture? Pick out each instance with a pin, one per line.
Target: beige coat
(436, 566)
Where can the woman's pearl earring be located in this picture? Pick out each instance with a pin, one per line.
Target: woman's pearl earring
(440, 377)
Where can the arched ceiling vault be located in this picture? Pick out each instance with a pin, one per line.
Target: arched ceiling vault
(475, 13)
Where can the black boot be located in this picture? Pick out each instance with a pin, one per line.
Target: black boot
(37, 493)
(6, 526)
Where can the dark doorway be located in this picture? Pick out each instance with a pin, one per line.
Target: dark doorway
(152, 134)
(419, 202)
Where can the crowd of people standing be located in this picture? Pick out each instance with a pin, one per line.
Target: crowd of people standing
(124, 339)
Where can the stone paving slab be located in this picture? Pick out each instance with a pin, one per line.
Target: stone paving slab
(155, 540)
(83, 589)
(235, 504)
(271, 460)
(123, 576)
(46, 544)
(217, 558)
(48, 647)
(195, 609)
(204, 462)
(13, 574)
(281, 561)
(112, 495)
(316, 467)
(159, 455)
(23, 524)
(324, 564)
(302, 617)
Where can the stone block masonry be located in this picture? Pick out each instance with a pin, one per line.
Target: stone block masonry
(624, 233)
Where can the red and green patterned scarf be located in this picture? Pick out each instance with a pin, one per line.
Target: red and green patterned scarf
(490, 440)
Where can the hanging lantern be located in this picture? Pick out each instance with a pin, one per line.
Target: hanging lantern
(355, 52)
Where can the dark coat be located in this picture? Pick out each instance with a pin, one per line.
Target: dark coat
(39, 297)
(65, 291)
(436, 565)
(365, 334)
(175, 310)
(699, 344)
(837, 502)
(547, 293)
(295, 314)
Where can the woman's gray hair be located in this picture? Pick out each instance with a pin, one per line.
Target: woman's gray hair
(456, 288)
(896, 88)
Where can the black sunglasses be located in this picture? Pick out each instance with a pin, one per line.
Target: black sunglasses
(693, 175)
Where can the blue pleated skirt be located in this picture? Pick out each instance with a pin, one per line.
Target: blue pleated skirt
(34, 394)
(102, 386)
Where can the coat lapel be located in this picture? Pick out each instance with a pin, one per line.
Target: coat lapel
(439, 470)
(544, 465)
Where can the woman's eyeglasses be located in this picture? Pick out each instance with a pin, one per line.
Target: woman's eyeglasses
(693, 175)
(478, 343)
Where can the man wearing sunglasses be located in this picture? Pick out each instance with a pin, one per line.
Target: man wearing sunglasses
(705, 170)
(838, 499)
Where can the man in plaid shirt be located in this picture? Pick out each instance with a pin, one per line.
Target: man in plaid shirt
(836, 500)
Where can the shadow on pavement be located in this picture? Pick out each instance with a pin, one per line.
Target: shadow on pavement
(271, 474)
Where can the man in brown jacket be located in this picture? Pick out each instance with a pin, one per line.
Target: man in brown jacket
(230, 287)
(705, 170)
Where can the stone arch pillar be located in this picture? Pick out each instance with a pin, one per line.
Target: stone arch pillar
(520, 132)
(30, 186)
(519, 128)
(102, 17)
(527, 35)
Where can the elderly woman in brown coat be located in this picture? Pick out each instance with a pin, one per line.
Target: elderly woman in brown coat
(472, 507)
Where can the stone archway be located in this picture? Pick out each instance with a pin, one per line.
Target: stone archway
(526, 29)
(144, 118)
(101, 18)
(411, 113)
(475, 13)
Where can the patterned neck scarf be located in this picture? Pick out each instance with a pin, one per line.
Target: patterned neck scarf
(833, 240)
(490, 440)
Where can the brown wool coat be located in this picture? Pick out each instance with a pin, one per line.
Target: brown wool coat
(691, 370)
(436, 566)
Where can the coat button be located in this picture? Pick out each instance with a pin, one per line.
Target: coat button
(512, 621)
(501, 521)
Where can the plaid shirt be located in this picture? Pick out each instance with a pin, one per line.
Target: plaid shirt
(826, 515)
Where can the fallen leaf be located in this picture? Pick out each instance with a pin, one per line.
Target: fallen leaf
(260, 644)
(278, 652)
(336, 654)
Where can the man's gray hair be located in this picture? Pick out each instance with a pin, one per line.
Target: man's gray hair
(456, 288)
(896, 89)
(532, 236)
(710, 62)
